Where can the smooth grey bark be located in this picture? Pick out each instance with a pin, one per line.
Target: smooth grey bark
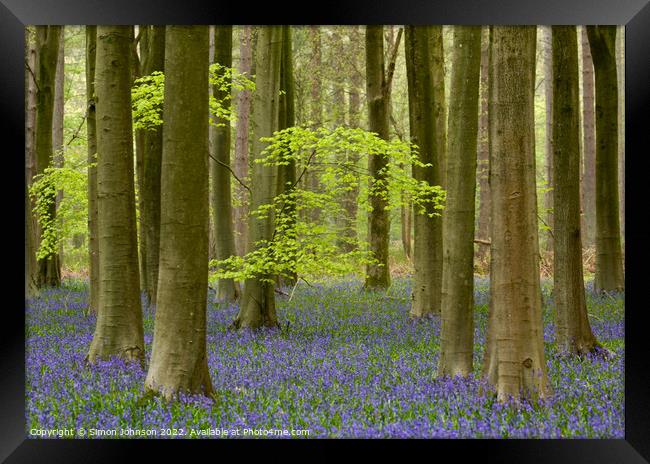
(548, 97)
(457, 332)
(620, 68)
(58, 149)
(573, 331)
(609, 263)
(119, 329)
(514, 359)
(227, 289)
(91, 137)
(257, 305)
(179, 362)
(47, 52)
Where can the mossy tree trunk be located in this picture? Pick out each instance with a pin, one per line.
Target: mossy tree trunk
(378, 97)
(514, 359)
(609, 263)
(179, 361)
(423, 120)
(440, 110)
(119, 330)
(574, 333)
(227, 289)
(91, 136)
(457, 333)
(257, 305)
(547, 50)
(152, 145)
(47, 52)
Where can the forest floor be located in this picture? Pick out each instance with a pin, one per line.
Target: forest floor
(347, 363)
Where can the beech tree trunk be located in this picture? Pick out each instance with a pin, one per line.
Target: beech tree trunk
(355, 82)
(483, 169)
(311, 179)
(514, 358)
(58, 153)
(152, 145)
(91, 135)
(241, 142)
(423, 121)
(227, 289)
(609, 264)
(440, 111)
(257, 306)
(378, 96)
(574, 333)
(457, 333)
(589, 142)
(287, 118)
(179, 361)
(47, 52)
(620, 67)
(31, 239)
(119, 330)
(548, 96)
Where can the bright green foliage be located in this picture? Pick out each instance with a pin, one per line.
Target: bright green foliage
(306, 246)
(147, 100)
(72, 211)
(148, 92)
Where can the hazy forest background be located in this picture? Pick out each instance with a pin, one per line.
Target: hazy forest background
(378, 273)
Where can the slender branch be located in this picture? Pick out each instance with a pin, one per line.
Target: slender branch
(391, 64)
(76, 133)
(31, 71)
(550, 230)
(399, 133)
(482, 242)
(231, 172)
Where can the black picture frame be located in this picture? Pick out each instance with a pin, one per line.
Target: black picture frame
(635, 14)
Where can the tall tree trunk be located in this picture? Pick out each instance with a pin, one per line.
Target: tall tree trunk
(483, 170)
(514, 358)
(311, 179)
(620, 67)
(241, 142)
(574, 333)
(378, 96)
(30, 116)
(47, 52)
(257, 306)
(119, 330)
(355, 80)
(153, 59)
(440, 111)
(30, 156)
(287, 118)
(91, 128)
(548, 96)
(137, 65)
(589, 142)
(58, 154)
(457, 333)
(179, 361)
(227, 289)
(609, 264)
(423, 121)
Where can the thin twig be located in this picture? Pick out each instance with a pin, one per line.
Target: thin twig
(550, 231)
(231, 172)
(482, 242)
(31, 71)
